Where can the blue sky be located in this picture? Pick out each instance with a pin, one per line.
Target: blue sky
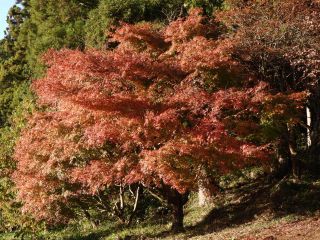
(4, 7)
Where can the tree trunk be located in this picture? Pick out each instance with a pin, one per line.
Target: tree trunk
(313, 159)
(134, 210)
(176, 201)
(204, 193)
(309, 122)
(283, 166)
(295, 162)
(177, 217)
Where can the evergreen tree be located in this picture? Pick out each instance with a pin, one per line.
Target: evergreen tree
(110, 12)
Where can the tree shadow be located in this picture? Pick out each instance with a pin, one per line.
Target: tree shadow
(252, 200)
(98, 234)
(248, 201)
(300, 198)
(245, 204)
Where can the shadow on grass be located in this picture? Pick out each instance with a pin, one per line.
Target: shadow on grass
(301, 198)
(252, 201)
(248, 202)
(98, 234)
(281, 198)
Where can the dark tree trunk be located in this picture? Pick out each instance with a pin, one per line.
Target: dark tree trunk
(177, 217)
(288, 158)
(176, 202)
(283, 166)
(313, 158)
(295, 161)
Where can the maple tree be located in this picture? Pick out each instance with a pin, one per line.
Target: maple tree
(155, 110)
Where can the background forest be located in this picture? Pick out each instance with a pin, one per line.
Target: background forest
(140, 119)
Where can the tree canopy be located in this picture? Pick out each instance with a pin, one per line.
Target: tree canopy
(144, 112)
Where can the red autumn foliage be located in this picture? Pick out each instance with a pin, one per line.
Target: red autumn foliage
(279, 39)
(160, 106)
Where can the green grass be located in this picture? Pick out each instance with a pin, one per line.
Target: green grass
(238, 211)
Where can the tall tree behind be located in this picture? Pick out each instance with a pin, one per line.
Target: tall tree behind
(110, 12)
(13, 67)
(33, 27)
(55, 24)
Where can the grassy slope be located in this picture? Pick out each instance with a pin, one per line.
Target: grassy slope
(258, 210)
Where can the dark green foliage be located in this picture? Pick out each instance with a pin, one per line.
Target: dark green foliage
(15, 102)
(55, 24)
(209, 6)
(22, 104)
(34, 26)
(13, 64)
(110, 12)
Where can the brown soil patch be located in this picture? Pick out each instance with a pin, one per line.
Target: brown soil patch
(308, 229)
